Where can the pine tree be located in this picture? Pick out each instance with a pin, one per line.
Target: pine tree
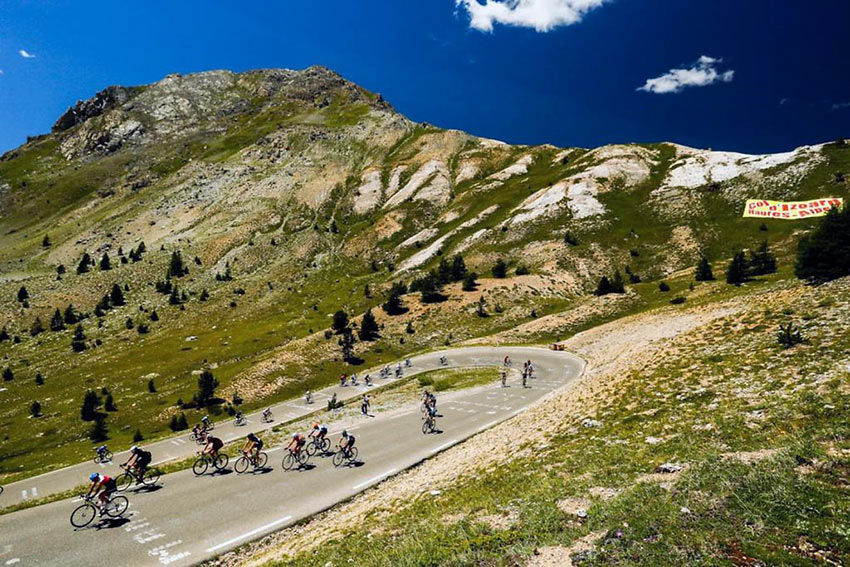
(60, 270)
(182, 422)
(154, 316)
(99, 431)
(56, 322)
(736, 273)
(129, 323)
(824, 255)
(174, 298)
(444, 271)
(84, 264)
(70, 316)
(35, 409)
(409, 329)
(45, 242)
(88, 410)
(458, 268)
(762, 261)
(39, 379)
(4, 334)
(470, 282)
(367, 291)
(151, 386)
(604, 286)
(204, 295)
(174, 424)
(500, 269)
(368, 327)
(23, 294)
(340, 321)
(663, 287)
(109, 403)
(105, 262)
(703, 272)
(105, 304)
(143, 329)
(617, 283)
(78, 342)
(37, 328)
(116, 296)
(8, 374)
(522, 270)
(346, 342)
(394, 305)
(176, 267)
(138, 437)
(206, 388)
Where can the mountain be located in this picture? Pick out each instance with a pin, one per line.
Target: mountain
(292, 194)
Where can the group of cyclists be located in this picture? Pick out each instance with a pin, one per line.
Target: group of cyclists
(103, 486)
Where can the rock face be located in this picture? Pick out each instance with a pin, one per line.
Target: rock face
(105, 100)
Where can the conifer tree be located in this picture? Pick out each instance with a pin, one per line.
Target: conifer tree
(154, 316)
(703, 272)
(470, 282)
(204, 295)
(78, 342)
(4, 334)
(500, 269)
(340, 321)
(617, 283)
(109, 403)
(8, 374)
(458, 271)
(736, 273)
(88, 410)
(603, 287)
(105, 262)
(394, 305)
(45, 242)
(39, 379)
(70, 316)
(824, 255)
(57, 323)
(99, 431)
(116, 296)
(206, 388)
(23, 294)
(368, 327)
(84, 264)
(176, 267)
(762, 261)
(35, 409)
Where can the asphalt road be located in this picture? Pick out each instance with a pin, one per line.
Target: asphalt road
(187, 519)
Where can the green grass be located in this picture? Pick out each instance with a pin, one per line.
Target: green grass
(455, 379)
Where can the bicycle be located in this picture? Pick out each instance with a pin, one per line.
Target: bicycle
(268, 417)
(318, 445)
(430, 425)
(443, 361)
(291, 459)
(200, 437)
(130, 476)
(206, 461)
(408, 363)
(85, 513)
(348, 457)
(103, 457)
(259, 462)
(241, 420)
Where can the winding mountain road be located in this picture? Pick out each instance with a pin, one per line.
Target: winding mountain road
(187, 519)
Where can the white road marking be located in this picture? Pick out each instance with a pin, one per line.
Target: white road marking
(13, 561)
(491, 412)
(249, 534)
(34, 492)
(371, 480)
(444, 446)
(24, 494)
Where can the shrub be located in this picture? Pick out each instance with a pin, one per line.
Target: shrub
(500, 269)
(138, 437)
(762, 261)
(78, 342)
(663, 287)
(8, 374)
(522, 270)
(788, 335)
(703, 271)
(105, 263)
(109, 403)
(57, 323)
(39, 379)
(825, 254)
(677, 300)
(340, 321)
(570, 238)
(35, 409)
(151, 386)
(37, 328)
(736, 273)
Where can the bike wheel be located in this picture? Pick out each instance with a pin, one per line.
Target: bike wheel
(200, 466)
(221, 461)
(107, 456)
(312, 448)
(151, 477)
(124, 481)
(303, 457)
(83, 515)
(241, 464)
(426, 428)
(338, 458)
(326, 445)
(97, 460)
(352, 455)
(288, 462)
(262, 459)
(116, 506)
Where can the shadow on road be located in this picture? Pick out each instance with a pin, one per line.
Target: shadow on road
(143, 489)
(110, 523)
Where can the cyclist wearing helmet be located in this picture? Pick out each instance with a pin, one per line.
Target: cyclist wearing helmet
(346, 442)
(319, 431)
(296, 443)
(102, 487)
(253, 445)
(205, 422)
(213, 446)
(139, 459)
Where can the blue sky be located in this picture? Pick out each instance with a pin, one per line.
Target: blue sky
(752, 75)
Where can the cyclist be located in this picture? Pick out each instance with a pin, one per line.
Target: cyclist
(252, 446)
(368, 379)
(354, 379)
(296, 443)
(346, 442)
(102, 487)
(443, 360)
(319, 431)
(205, 423)
(237, 419)
(407, 362)
(101, 451)
(139, 460)
(342, 379)
(308, 397)
(213, 446)
(507, 360)
(267, 414)
(504, 379)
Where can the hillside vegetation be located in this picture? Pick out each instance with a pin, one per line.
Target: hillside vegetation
(236, 213)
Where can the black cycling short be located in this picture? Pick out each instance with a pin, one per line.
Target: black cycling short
(110, 486)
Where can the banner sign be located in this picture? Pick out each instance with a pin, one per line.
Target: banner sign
(791, 209)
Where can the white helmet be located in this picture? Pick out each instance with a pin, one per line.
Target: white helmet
(134, 448)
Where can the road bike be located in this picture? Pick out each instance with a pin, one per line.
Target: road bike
(200, 437)
(267, 416)
(429, 426)
(319, 445)
(206, 461)
(86, 512)
(259, 462)
(103, 457)
(294, 460)
(241, 420)
(130, 477)
(348, 457)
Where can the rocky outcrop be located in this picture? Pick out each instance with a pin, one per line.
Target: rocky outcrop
(105, 100)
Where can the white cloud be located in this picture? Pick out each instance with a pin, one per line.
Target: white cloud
(26, 54)
(840, 105)
(700, 74)
(542, 15)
